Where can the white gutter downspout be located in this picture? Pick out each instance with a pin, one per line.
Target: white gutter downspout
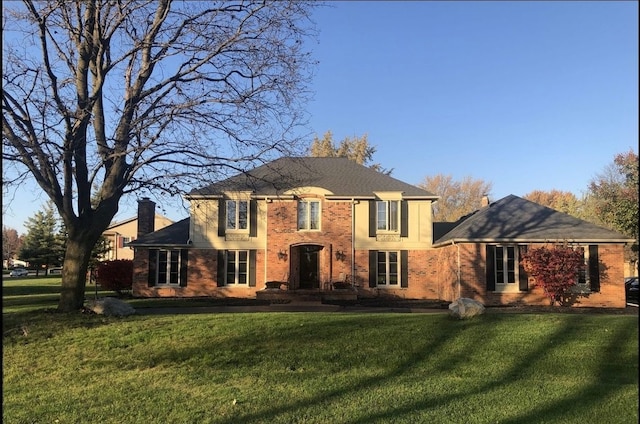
(266, 238)
(353, 241)
(458, 268)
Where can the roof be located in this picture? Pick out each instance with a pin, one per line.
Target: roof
(342, 177)
(513, 219)
(176, 234)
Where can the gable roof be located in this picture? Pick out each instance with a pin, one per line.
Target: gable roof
(176, 234)
(342, 177)
(513, 219)
(131, 219)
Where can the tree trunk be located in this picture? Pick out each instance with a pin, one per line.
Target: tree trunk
(74, 270)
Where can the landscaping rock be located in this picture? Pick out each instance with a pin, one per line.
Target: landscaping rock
(111, 306)
(464, 308)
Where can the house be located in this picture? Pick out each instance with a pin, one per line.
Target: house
(125, 231)
(303, 224)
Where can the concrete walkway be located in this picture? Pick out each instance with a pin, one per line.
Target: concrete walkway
(283, 307)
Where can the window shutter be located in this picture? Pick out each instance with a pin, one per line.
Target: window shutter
(404, 218)
(372, 218)
(523, 276)
(222, 217)
(120, 242)
(220, 270)
(252, 268)
(594, 268)
(404, 268)
(373, 268)
(184, 263)
(253, 218)
(490, 268)
(153, 267)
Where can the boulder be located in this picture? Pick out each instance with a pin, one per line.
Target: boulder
(111, 306)
(463, 308)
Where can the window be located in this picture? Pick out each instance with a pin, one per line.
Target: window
(388, 215)
(237, 215)
(237, 267)
(506, 268)
(167, 267)
(589, 277)
(308, 215)
(387, 269)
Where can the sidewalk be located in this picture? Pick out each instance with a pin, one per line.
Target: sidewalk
(283, 307)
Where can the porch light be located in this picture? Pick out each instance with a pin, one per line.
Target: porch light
(282, 255)
(340, 256)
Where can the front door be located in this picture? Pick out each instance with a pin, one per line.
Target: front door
(309, 267)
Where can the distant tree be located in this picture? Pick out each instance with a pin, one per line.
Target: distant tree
(115, 275)
(41, 243)
(457, 198)
(355, 148)
(118, 97)
(556, 269)
(613, 194)
(11, 244)
(562, 201)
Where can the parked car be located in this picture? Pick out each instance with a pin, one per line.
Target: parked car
(632, 288)
(18, 272)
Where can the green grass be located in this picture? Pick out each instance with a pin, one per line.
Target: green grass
(319, 368)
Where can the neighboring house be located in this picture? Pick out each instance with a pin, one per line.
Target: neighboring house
(125, 231)
(309, 222)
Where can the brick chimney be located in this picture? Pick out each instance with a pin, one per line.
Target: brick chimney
(485, 201)
(146, 216)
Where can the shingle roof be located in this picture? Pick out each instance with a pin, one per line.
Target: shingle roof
(341, 176)
(513, 219)
(176, 234)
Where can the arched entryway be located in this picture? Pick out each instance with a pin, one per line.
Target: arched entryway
(305, 265)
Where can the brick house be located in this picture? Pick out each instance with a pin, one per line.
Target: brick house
(304, 224)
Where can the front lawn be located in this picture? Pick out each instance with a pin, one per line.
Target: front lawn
(314, 367)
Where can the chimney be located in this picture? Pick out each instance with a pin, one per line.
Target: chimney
(485, 201)
(146, 216)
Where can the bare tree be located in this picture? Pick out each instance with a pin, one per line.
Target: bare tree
(11, 244)
(457, 198)
(355, 148)
(105, 98)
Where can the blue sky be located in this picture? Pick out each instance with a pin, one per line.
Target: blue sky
(526, 95)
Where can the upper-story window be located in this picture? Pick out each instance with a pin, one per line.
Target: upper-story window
(237, 215)
(308, 215)
(388, 215)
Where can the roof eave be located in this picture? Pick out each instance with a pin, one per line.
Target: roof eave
(530, 240)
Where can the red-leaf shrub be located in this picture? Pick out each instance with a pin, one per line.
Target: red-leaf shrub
(556, 269)
(115, 275)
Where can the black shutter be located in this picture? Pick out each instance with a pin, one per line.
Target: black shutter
(153, 267)
(184, 263)
(594, 268)
(372, 218)
(222, 217)
(252, 268)
(221, 259)
(523, 276)
(253, 218)
(373, 268)
(490, 268)
(404, 218)
(404, 268)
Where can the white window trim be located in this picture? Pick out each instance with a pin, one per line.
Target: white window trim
(387, 274)
(586, 286)
(387, 204)
(168, 268)
(236, 271)
(237, 216)
(504, 287)
(308, 215)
